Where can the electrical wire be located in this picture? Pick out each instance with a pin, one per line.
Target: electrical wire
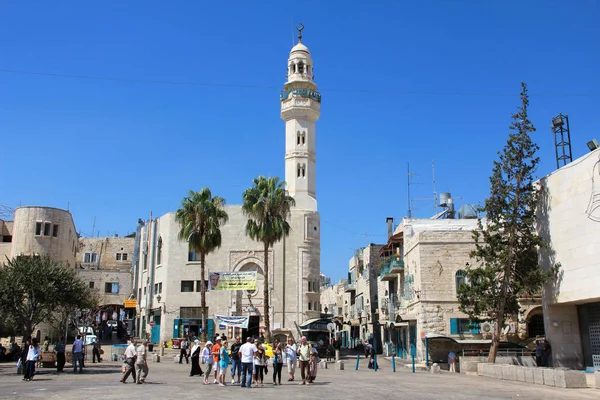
(240, 86)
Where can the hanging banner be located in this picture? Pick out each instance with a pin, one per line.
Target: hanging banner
(238, 322)
(242, 280)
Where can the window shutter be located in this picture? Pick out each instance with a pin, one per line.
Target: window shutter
(454, 326)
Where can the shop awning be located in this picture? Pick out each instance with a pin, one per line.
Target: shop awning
(408, 317)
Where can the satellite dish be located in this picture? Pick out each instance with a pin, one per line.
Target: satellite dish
(330, 326)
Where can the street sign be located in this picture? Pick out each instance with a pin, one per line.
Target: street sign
(151, 323)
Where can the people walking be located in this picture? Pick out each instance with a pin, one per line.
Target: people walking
(246, 353)
(452, 361)
(130, 356)
(215, 351)
(33, 355)
(277, 361)
(183, 351)
(292, 357)
(223, 363)
(304, 358)
(313, 363)
(77, 354)
(59, 349)
(195, 356)
(95, 350)
(236, 362)
(141, 362)
(24, 355)
(208, 360)
(259, 364)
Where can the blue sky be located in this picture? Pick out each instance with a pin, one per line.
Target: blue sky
(401, 82)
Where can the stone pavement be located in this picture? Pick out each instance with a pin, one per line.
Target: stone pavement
(168, 380)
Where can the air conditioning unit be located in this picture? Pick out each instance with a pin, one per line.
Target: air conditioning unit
(486, 328)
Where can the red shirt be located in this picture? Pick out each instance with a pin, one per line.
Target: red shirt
(215, 351)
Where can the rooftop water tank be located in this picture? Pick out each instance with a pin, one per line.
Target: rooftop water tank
(444, 196)
(467, 211)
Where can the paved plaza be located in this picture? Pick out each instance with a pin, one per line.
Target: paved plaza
(168, 380)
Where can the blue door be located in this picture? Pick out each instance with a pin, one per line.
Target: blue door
(155, 336)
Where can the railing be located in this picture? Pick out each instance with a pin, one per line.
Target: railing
(349, 286)
(385, 270)
(396, 264)
(516, 352)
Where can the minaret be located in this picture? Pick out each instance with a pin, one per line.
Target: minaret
(300, 109)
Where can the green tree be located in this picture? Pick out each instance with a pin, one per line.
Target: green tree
(33, 289)
(267, 206)
(506, 243)
(200, 217)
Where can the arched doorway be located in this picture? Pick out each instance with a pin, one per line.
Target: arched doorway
(535, 325)
(250, 303)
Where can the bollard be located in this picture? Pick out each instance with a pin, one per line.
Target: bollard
(357, 360)
(394, 363)
(337, 355)
(375, 362)
(413, 353)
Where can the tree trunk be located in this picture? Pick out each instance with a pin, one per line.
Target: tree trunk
(203, 336)
(497, 333)
(266, 297)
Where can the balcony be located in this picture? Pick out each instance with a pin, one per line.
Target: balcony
(391, 268)
(350, 287)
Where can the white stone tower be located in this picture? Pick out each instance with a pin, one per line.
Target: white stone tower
(300, 109)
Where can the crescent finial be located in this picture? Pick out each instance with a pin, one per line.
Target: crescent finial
(300, 32)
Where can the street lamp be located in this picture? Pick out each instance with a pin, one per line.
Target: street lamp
(593, 144)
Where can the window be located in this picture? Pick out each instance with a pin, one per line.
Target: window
(298, 138)
(460, 326)
(159, 251)
(89, 257)
(192, 256)
(303, 137)
(124, 256)
(55, 231)
(300, 67)
(47, 226)
(460, 279)
(309, 284)
(91, 285)
(139, 293)
(199, 287)
(190, 312)
(144, 290)
(111, 287)
(6, 239)
(38, 228)
(158, 288)
(303, 170)
(309, 306)
(118, 257)
(121, 257)
(187, 286)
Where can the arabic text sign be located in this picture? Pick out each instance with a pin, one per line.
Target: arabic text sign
(239, 322)
(242, 280)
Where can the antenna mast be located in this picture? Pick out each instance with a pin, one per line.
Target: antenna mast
(435, 197)
(409, 200)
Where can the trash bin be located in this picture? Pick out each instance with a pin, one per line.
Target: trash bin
(150, 347)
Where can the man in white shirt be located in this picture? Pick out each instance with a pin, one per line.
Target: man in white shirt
(77, 355)
(141, 363)
(130, 356)
(247, 356)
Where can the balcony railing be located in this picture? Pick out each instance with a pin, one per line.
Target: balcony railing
(391, 268)
(349, 286)
(396, 265)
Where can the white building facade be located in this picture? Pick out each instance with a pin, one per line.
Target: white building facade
(167, 277)
(569, 219)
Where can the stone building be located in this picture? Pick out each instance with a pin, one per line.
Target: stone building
(105, 263)
(569, 219)
(168, 274)
(44, 231)
(360, 301)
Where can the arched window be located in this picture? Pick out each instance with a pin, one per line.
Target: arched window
(304, 137)
(460, 278)
(299, 170)
(303, 170)
(299, 138)
(300, 67)
(192, 256)
(159, 250)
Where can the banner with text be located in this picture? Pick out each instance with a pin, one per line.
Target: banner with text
(241, 280)
(238, 322)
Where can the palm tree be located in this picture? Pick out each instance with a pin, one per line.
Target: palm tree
(200, 218)
(267, 206)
